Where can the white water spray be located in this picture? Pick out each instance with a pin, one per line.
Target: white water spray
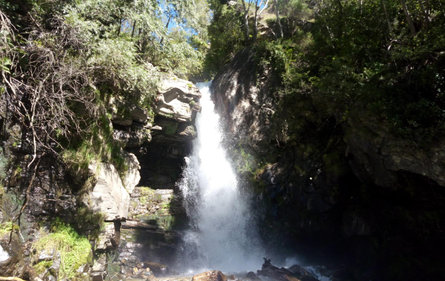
(222, 234)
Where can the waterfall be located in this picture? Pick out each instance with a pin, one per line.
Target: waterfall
(221, 234)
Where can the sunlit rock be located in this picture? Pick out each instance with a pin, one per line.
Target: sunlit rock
(109, 195)
(213, 275)
(177, 99)
(132, 176)
(176, 106)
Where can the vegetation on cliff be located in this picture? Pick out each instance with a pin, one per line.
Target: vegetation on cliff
(65, 246)
(68, 66)
(330, 72)
(70, 71)
(384, 57)
(333, 86)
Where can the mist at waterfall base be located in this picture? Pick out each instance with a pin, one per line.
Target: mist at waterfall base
(222, 233)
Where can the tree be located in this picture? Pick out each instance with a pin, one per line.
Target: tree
(277, 15)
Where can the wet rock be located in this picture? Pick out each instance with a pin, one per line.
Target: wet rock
(188, 132)
(302, 273)
(354, 224)
(251, 276)
(282, 274)
(213, 275)
(157, 268)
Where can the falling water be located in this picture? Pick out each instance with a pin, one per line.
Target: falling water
(221, 234)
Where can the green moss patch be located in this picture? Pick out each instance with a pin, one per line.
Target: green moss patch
(6, 228)
(74, 250)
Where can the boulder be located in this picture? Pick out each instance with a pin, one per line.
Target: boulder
(294, 273)
(12, 255)
(132, 176)
(251, 276)
(213, 275)
(188, 132)
(133, 113)
(302, 273)
(106, 235)
(157, 268)
(98, 271)
(109, 195)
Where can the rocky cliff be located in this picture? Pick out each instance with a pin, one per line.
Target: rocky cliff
(100, 208)
(352, 188)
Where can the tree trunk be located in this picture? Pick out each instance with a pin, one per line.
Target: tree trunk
(133, 29)
(425, 14)
(277, 15)
(386, 16)
(409, 20)
(255, 21)
(246, 20)
(258, 12)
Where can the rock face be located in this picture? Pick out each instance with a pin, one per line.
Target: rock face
(147, 240)
(176, 105)
(245, 104)
(178, 99)
(355, 180)
(85, 198)
(132, 176)
(286, 170)
(143, 234)
(379, 155)
(132, 126)
(111, 194)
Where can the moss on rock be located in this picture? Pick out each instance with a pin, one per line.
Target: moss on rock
(74, 250)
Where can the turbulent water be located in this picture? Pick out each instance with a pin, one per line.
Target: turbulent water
(222, 234)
